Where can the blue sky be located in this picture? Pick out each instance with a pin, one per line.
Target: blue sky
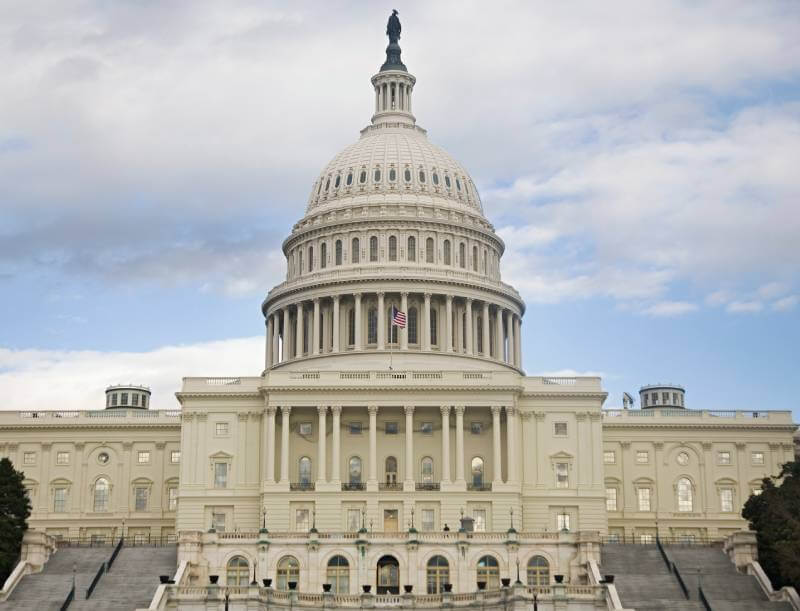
(639, 159)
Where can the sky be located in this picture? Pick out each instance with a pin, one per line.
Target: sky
(640, 160)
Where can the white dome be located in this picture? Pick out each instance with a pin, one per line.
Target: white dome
(394, 161)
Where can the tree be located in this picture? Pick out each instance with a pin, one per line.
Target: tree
(775, 516)
(15, 507)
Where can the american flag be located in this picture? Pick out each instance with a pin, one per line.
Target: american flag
(398, 318)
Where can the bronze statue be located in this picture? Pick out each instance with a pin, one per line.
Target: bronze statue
(393, 27)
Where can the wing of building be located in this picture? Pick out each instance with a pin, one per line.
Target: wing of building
(393, 438)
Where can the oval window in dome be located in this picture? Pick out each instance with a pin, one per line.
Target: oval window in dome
(422, 176)
(458, 184)
(349, 180)
(376, 177)
(447, 181)
(435, 178)
(338, 181)
(363, 177)
(392, 175)
(327, 184)
(407, 175)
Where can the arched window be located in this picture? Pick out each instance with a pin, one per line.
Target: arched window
(434, 325)
(338, 252)
(338, 575)
(412, 325)
(311, 258)
(304, 471)
(300, 261)
(437, 574)
(372, 326)
(412, 248)
(462, 255)
(392, 248)
(388, 575)
(355, 251)
(354, 470)
(538, 572)
(474, 258)
(373, 249)
(238, 573)
(426, 470)
(489, 572)
(323, 255)
(685, 500)
(101, 493)
(429, 250)
(477, 472)
(479, 333)
(446, 248)
(288, 572)
(351, 327)
(391, 330)
(391, 470)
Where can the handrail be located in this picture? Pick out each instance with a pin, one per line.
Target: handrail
(116, 551)
(20, 570)
(97, 577)
(703, 598)
(680, 580)
(69, 599)
(663, 553)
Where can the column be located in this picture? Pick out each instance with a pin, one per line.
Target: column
(517, 341)
(268, 343)
(268, 427)
(498, 336)
(497, 463)
(357, 317)
(285, 410)
(373, 444)
(315, 337)
(322, 453)
(487, 350)
(335, 325)
(336, 410)
(426, 328)
(298, 350)
(381, 322)
(409, 409)
(511, 442)
(404, 332)
(469, 327)
(445, 409)
(460, 444)
(448, 335)
(276, 357)
(511, 341)
(286, 339)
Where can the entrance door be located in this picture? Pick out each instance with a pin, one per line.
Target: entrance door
(388, 577)
(390, 520)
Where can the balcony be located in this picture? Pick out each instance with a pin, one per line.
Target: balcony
(301, 486)
(391, 486)
(479, 487)
(434, 486)
(353, 486)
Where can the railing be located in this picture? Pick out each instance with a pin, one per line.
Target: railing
(390, 486)
(300, 486)
(703, 599)
(479, 487)
(97, 577)
(115, 553)
(427, 486)
(681, 583)
(560, 381)
(70, 597)
(223, 381)
(20, 570)
(130, 541)
(663, 553)
(351, 486)
(112, 413)
(651, 540)
(673, 412)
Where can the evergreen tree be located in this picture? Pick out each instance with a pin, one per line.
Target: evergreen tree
(775, 516)
(15, 507)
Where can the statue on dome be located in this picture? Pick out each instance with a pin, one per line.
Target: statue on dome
(393, 27)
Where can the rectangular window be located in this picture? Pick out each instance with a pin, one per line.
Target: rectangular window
(144, 457)
(611, 499)
(301, 520)
(62, 458)
(353, 519)
(60, 500)
(391, 428)
(562, 523)
(643, 495)
(562, 475)
(135, 400)
(479, 520)
(172, 496)
(476, 428)
(175, 457)
(390, 520)
(306, 429)
(428, 517)
(560, 429)
(674, 398)
(218, 521)
(726, 499)
(354, 428)
(124, 399)
(29, 458)
(665, 398)
(426, 428)
(756, 491)
(723, 458)
(642, 457)
(140, 499)
(221, 475)
(609, 458)
(757, 458)
(221, 429)
(646, 539)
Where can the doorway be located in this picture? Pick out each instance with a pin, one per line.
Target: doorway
(388, 575)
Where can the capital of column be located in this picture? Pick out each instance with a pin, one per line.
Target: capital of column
(460, 409)
(336, 298)
(322, 409)
(315, 300)
(286, 409)
(380, 293)
(510, 410)
(403, 293)
(408, 409)
(269, 410)
(336, 410)
(445, 409)
(449, 298)
(357, 296)
(468, 300)
(496, 410)
(427, 296)
(372, 409)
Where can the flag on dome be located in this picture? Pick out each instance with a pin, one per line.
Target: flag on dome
(398, 318)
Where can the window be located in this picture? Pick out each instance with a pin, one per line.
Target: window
(288, 572)
(643, 494)
(103, 458)
(328, 184)
(479, 520)
(726, 499)
(412, 249)
(101, 492)
(646, 539)
(373, 249)
(354, 470)
(407, 175)
(221, 429)
(392, 248)
(447, 180)
(372, 326)
(390, 428)
(462, 255)
(349, 180)
(560, 429)
(172, 498)
(390, 521)
(611, 499)
(338, 181)
(412, 326)
(323, 255)
(300, 261)
(218, 521)
(428, 519)
(476, 428)
(723, 458)
(756, 491)
(757, 458)
(609, 457)
(458, 184)
(220, 475)
(311, 258)
(437, 574)
(562, 475)
(426, 428)
(422, 176)
(29, 458)
(538, 572)
(446, 248)
(62, 458)
(376, 175)
(435, 177)
(338, 250)
(144, 457)
(175, 457)
(140, 498)
(685, 501)
(354, 428)
(682, 459)
(562, 521)
(305, 429)
(338, 573)
(301, 520)
(144, 401)
(476, 468)
(59, 500)
(391, 470)
(124, 400)
(238, 573)
(351, 326)
(355, 251)
(489, 572)
(362, 177)
(304, 470)
(434, 337)
(353, 519)
(644, 400)
(392, 175)
(429, 250)
(479, 329)
(642, 457)
(426, 470)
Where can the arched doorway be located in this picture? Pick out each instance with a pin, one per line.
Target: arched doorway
(388, 575)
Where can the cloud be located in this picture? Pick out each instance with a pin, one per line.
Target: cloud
(33, 379)
(670, 308)
(745, 307)
(786, 303)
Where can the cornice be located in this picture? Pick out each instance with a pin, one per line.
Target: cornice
(690, 426)
(99, 426)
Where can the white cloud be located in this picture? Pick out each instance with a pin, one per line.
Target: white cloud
(669, 308)
(745, 307)
(786, 303)
(76, 380)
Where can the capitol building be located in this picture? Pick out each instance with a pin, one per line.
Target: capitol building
(393, 442)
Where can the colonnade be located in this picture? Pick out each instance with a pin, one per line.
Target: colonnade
(513, 459)
(361, 321)
(392, 95)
